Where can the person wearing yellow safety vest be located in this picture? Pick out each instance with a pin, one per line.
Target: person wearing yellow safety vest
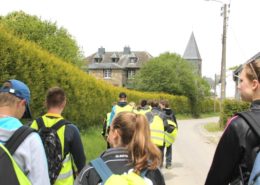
(169, 137)
(121, 106)
(68, 134)
(29, 159)
(158, 125)
(143, 108)
(106, 128)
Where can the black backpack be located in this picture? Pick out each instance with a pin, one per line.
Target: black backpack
(253, 120)
(7, 171)
(52, 146)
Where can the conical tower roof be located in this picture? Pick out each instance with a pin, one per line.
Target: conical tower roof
(192, 51)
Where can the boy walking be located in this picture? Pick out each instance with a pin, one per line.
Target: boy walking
(68, 135)
(30, 155)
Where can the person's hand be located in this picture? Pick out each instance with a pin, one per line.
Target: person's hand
(169, 128)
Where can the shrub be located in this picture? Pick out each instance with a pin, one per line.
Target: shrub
(230, 107)
(88, 99)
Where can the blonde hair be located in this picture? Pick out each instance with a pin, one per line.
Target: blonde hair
(135, 134)
(252, 70)
(7, 99)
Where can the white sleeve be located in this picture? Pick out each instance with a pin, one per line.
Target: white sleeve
(30, 156)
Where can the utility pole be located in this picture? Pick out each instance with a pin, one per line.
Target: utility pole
(215, 92)
(223, 59)
(224, 13)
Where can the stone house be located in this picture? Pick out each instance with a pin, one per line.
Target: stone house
(117, 67)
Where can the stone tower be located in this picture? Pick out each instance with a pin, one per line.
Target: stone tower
(192, 55)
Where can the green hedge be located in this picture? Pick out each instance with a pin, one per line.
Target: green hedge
(88, 99)
(208, 104)
(230, 107)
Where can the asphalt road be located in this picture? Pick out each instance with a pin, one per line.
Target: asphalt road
(193, 151)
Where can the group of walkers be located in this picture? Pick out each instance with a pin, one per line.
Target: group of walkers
(161, 118)
(136, 140)
(55, 154)
(41, 159)
(136, 137)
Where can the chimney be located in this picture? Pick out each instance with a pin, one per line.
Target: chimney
(101, 51)
(127, 50)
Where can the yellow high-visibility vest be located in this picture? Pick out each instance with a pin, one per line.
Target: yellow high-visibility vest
(157, 130)
(66, 174)
(170, 137)
(126, 108)
(22, 178)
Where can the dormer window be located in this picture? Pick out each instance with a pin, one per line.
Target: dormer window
(132, 58)
(97, 58)
(114, 58)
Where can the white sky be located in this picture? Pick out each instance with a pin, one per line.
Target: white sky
(155, 26)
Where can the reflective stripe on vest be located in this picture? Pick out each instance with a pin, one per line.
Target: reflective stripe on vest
(170, 137)
(157, 131)
(22, 178)
(66, 174)
(67, 163)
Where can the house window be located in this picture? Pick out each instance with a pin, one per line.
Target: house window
(133, 60)
(107, 73)
(98, 60)
(115, 59)
(131, 74)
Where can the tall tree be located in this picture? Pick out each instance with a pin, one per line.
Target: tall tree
(172, 74)
(46, 34)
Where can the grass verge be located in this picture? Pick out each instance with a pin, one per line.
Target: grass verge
(204, 115)
(213, 127)
(93, 142)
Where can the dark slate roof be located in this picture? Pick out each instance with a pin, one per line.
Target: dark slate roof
(192, 51)
(123, 62)
(104, 66)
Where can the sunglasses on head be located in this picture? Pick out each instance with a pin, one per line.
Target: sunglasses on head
(250, 63)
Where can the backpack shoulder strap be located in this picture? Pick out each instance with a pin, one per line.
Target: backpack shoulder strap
(101, 168)
(59, 124)
(251, 120)
(40, 123)
(143, 172)
(17, 138)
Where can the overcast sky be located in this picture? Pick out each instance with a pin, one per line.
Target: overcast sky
(155, 26)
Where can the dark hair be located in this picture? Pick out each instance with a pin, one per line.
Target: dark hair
(143, 103)
(154, 103)
(165, 103)
(55, 97)
(122, 95)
